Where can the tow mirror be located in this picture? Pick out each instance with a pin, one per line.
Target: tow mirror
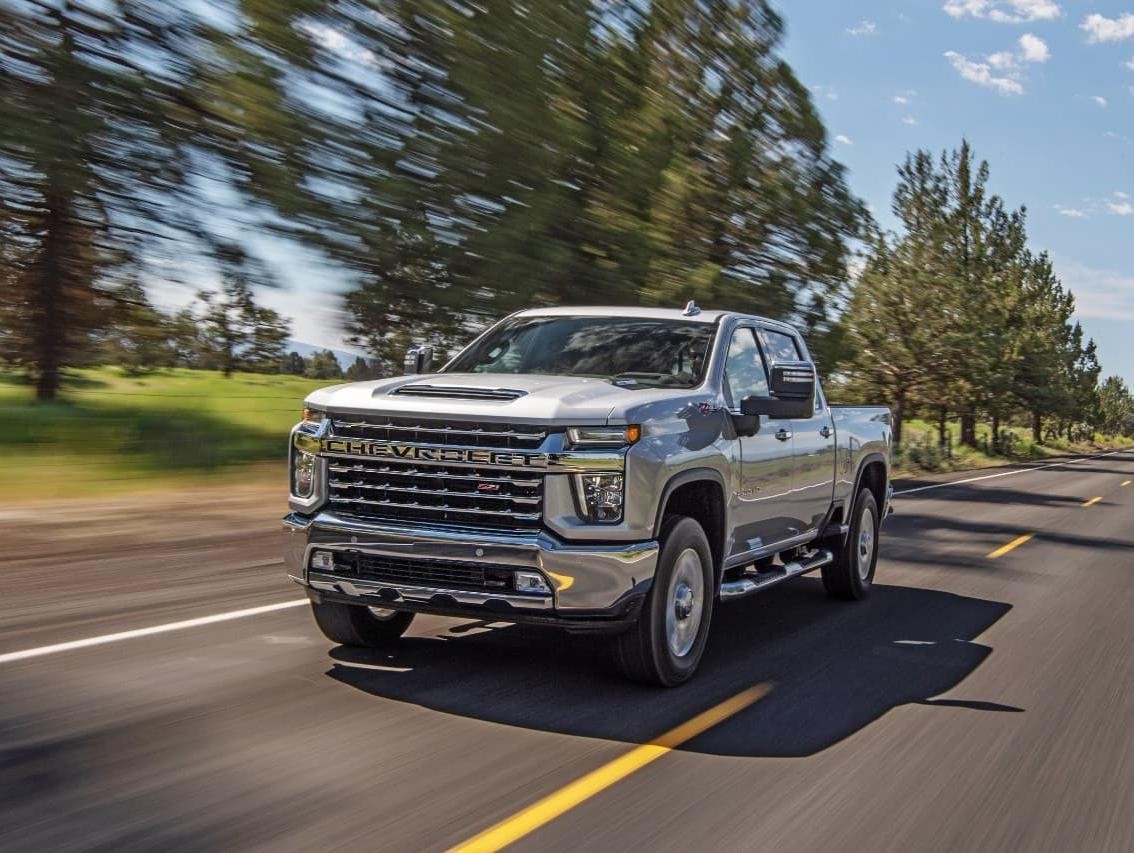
(793, 394)
(419, 359)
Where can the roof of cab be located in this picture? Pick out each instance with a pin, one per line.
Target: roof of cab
(643, 313)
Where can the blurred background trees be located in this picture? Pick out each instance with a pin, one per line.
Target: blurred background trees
(456, 161)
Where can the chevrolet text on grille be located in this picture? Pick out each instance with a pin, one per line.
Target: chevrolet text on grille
(412, 452)
(561, 463)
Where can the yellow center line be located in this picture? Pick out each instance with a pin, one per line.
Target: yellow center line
(1092, 501)
(1127, 482)
(1011, 546)
(526, 821)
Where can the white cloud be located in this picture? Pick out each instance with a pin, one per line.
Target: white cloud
(981, 74)
(1101, 294)
(1130, 64)
(1120, 208)
(1002, 60)
(1033, 48)
(1100, 100)
(842, 139)
(863, 28)
(1100, 28)
(901, 99)
(910, 120)
(1073, 212)
(1004, 11)
(1011, 80)
(1121, 195)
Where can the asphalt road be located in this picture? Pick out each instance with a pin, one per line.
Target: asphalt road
(971, 703)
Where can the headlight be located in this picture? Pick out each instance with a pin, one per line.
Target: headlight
(313, 416)
(302, 473)
(602, 436)
(601, 497)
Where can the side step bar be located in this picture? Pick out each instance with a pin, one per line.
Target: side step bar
(754, 582)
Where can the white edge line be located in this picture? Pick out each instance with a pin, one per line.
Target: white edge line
(1005, 473)
(10, 657)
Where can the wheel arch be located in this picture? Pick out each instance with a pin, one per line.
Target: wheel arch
(699, 493)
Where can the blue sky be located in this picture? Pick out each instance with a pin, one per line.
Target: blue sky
(1043, 89)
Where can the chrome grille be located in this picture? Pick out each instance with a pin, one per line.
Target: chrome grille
(467, 496)
(443, 433)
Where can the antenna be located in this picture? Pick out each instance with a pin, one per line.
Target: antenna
(691, 309)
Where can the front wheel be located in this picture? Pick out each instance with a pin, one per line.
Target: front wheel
(666, 645)
(850, 576)
(358, 625)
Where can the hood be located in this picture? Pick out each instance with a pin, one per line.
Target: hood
(501, 397)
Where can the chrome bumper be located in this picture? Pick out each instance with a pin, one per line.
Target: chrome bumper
(586, 580)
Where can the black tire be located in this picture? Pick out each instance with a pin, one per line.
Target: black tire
(645, 653)
(354, 625)
(850, 576)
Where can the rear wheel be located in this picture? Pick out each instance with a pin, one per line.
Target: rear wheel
(850, 576)
(358, 625)
(666, 644)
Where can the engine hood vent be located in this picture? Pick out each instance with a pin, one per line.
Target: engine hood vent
(458, 392)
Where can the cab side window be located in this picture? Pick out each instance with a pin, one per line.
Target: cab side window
(779, 347)
(745, 375)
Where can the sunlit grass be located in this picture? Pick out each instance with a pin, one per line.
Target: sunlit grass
(115, 432)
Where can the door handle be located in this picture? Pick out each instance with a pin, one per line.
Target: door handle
(783, 434)
(825, 432)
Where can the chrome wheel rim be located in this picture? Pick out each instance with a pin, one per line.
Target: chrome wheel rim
(865, 551)
(685, 602)
(382, 613)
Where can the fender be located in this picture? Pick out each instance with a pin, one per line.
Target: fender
(697, 475)
(842, 529)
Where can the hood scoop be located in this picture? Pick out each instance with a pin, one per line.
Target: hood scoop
(458, 392)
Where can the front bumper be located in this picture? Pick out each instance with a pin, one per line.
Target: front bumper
(589, 582)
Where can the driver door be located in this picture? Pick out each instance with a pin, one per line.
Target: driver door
(761, 504)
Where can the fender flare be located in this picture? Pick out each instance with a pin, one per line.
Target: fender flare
(829, 530)
(697, 475)
(868, 459)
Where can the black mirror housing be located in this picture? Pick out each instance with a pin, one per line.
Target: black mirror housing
(792, 397)
(793, 380)
(419, 359)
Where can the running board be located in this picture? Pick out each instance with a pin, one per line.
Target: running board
(754, 582)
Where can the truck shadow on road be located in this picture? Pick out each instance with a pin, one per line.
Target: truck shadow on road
(833, 670)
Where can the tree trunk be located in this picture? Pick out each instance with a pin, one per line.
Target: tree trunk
(996, 433)
(968, 429)
(942, 421)
(1037, 428)
(899, 417)
(49, 316)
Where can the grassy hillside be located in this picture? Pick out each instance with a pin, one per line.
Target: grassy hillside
(116, 432)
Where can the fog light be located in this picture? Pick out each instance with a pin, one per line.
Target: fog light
(531, 582)
(601, 496)
(323, 561)
(303, 474)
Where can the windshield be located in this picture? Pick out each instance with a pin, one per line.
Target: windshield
(632, 352)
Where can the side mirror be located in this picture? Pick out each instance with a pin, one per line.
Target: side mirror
(419, 359)
(793, 393)
(793, 380)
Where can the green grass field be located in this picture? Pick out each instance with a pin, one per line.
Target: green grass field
(115, 432)
(920, 452)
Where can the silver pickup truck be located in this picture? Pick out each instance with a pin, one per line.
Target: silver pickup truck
(598, 469)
